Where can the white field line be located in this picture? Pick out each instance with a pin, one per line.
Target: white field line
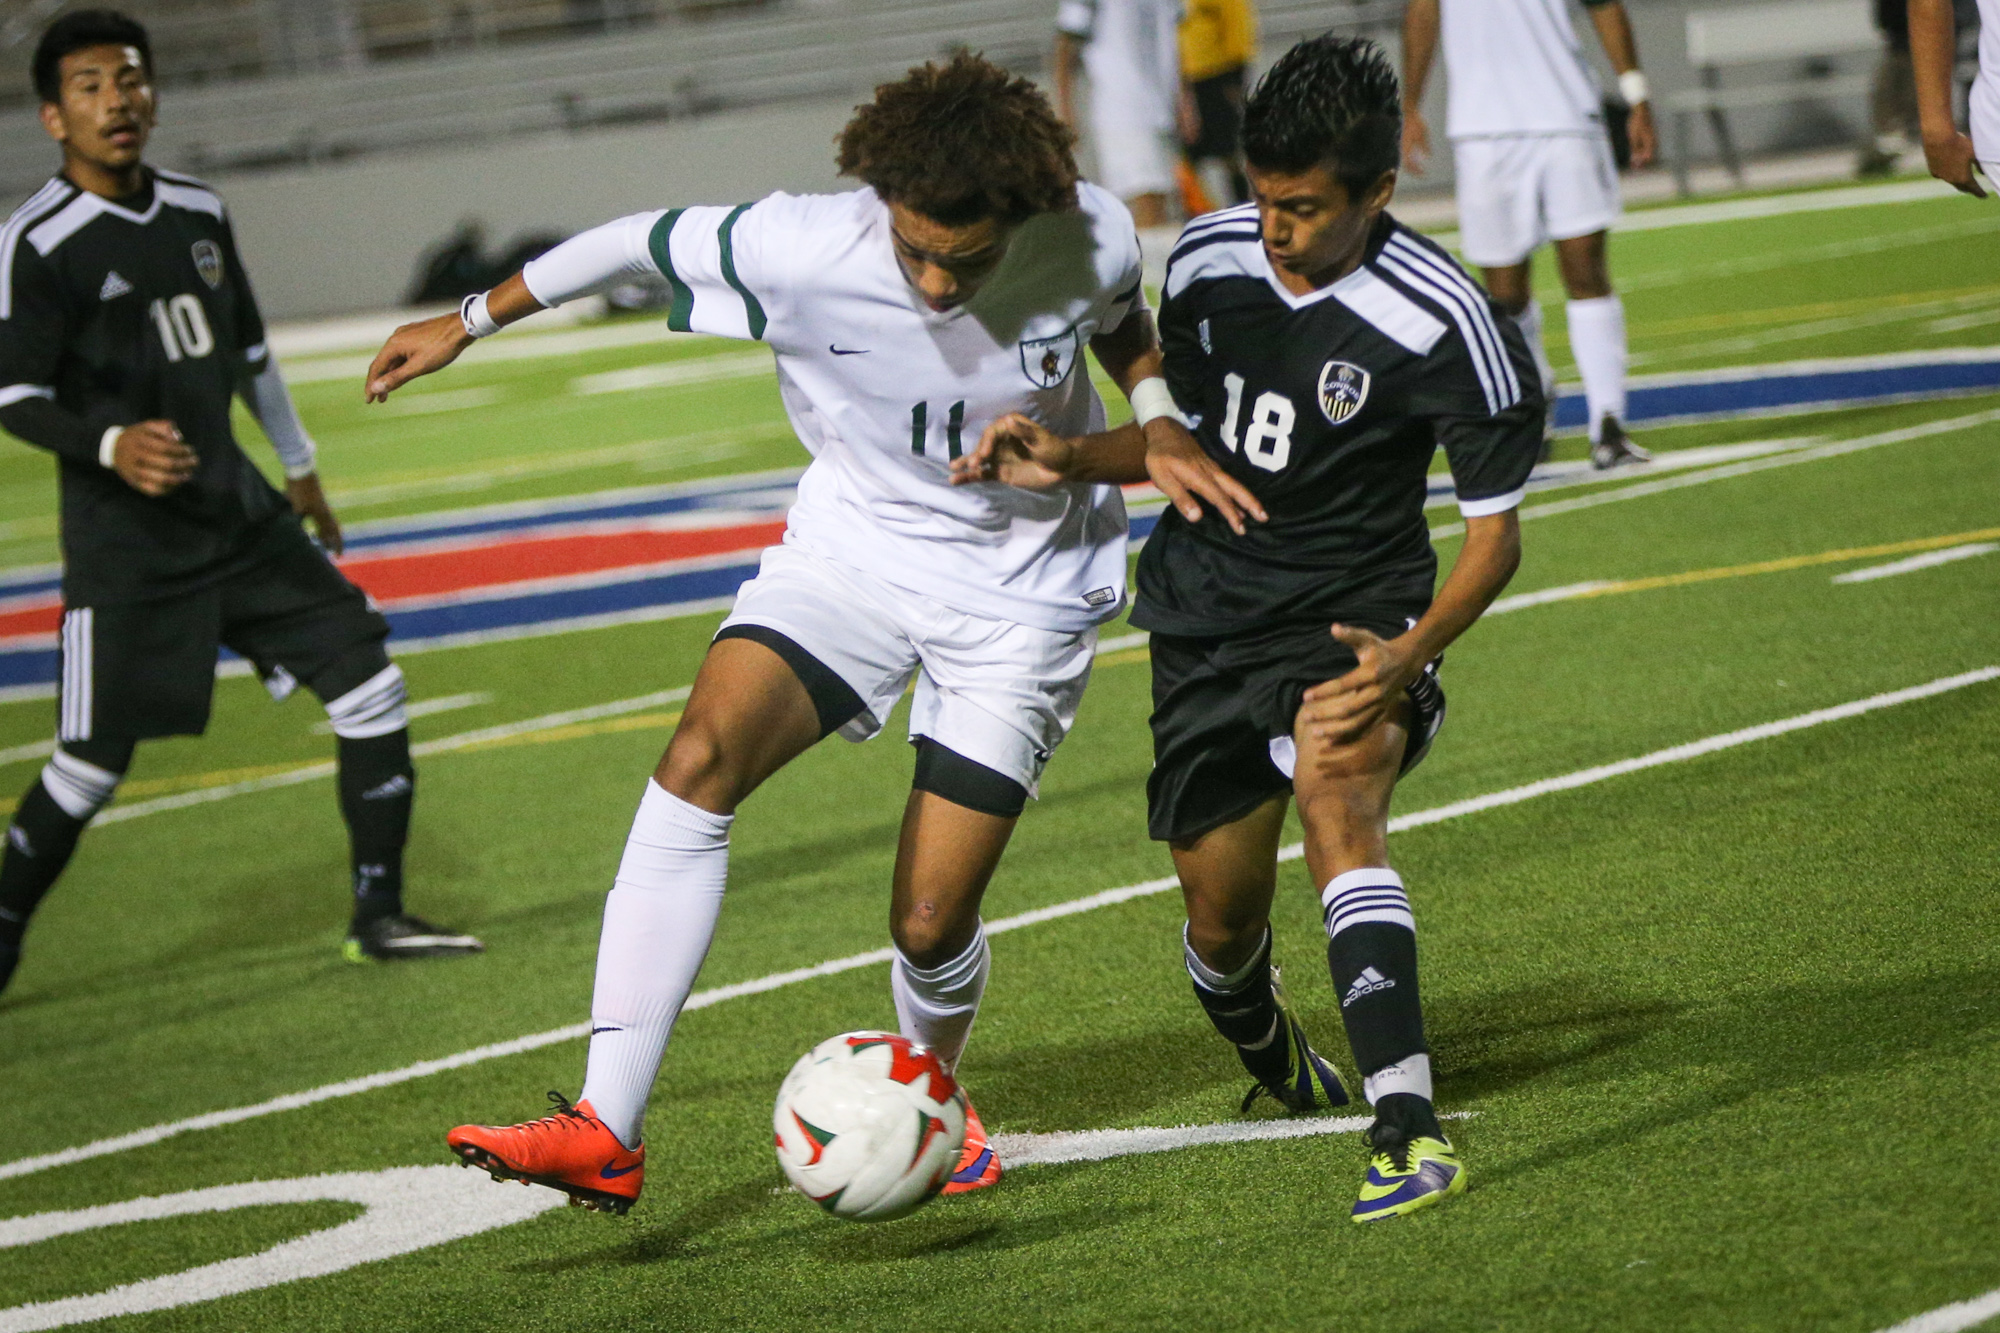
(1928, 560)
(702, 999)
(521, 347)
(32, 750)
(422, 708)
(1812, 454)
(1520, 601)
(1707, 345)
(673, 374)
(1097, 1145)
(1809, 254)
(1950, 1318)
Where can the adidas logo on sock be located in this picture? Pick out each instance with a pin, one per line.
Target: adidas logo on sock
(1367, 983)
(18, 838)
(114, 287)
(396, 786)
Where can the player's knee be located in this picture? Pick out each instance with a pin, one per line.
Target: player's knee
(374, 706)
(703, 767)
(83, 786)
(928, 937)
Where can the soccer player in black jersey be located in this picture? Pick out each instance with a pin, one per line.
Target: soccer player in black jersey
(1322, 353)
(126, 327)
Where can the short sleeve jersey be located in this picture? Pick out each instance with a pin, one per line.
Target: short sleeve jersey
(131, 310)
(1516, 67)
(1132, 52)
(884, 393)
(1329, 408)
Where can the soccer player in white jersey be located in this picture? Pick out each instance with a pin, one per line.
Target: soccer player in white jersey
(1952, 155)
(960, 285)
(1131, 49)
(1534, 165)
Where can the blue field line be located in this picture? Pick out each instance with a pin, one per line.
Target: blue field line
(1802, 386)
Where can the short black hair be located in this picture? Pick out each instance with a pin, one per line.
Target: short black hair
(961, 142)
(1327, 100)
(79, 31)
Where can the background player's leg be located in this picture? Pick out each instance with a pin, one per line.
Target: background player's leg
(1343, 794)
(1228, 876)
(1512, 288)
(78, 781)
(1596, 332)
(748, 715)
(364, 694)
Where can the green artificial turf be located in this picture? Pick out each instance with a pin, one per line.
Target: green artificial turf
(1727, 1031)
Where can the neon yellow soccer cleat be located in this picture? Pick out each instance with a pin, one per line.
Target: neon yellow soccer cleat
(1405, 1175)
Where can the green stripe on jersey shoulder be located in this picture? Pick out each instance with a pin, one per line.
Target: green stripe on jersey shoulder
(752, 310)
(681, 311)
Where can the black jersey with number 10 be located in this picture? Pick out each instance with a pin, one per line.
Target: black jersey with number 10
(126, 310)
(1329, 408)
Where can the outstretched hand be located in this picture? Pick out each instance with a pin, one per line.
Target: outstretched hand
(413, 350)
(1343, 710)
(1186, 476)
(1018, 451)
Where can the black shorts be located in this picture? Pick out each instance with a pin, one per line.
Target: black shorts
(1219, 103)
(1218, 704)
(140, 669)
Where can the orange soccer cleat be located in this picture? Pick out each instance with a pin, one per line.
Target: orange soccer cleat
(569, 1150)
(978, 1164)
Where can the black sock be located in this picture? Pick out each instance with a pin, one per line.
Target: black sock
(1246, 1014)
(1372, 953)
(377, 787)
(39, 843)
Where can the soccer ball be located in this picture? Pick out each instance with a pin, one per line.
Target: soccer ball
(869, 1126)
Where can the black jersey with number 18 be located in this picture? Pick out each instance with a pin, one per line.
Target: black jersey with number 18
(1329, 408)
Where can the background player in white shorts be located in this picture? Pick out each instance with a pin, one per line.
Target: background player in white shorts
(1131, 49)
(1952, 154)
(961, 285)
(1534, 165)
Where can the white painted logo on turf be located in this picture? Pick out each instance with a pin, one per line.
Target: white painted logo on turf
(1367, 983)
(408, 1208)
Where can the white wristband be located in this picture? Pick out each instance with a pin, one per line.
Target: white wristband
(1632, 86)
(107, 446)
(1151, 400)
(478, 323)
(305, 467)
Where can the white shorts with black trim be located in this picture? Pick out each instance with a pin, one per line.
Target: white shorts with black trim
(999, 693)
(1518, 192)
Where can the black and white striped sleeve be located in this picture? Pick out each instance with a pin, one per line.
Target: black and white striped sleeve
(1480, 388)
(34, 329)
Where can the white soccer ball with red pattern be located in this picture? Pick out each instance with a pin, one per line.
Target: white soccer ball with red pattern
(869, 1126)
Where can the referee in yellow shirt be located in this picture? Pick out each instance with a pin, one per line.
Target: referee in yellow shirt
(1218, 40)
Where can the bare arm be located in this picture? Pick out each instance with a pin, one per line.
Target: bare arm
(1339, 711)
(1420, 39)
(1069, 50)
(1933, 52)
(1019, 451)
(432, 344)
(1614, 29)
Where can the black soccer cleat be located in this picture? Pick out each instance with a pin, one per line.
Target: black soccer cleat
(1614, 448)
(1294, 1091)
(404, 936)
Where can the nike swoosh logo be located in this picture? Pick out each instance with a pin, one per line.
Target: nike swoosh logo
(608, 1173)
(847, 351)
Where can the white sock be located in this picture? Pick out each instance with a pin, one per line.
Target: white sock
(935, 1006)
(658, 920)
(1597, 341)
(1530, 321)
(1410, 1074)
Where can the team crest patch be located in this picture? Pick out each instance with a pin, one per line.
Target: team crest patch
(1047, 361)
(208, 263)
(1343, 388)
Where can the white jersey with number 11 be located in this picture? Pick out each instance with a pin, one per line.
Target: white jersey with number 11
(884, 392)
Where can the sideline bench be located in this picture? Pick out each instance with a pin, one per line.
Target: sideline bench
(1723, 39)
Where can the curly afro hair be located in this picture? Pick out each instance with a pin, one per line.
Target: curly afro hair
(963, 142)
(1330, 100)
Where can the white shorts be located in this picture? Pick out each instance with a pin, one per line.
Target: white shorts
(1517, 192)
(996, 692)
(1132, 158)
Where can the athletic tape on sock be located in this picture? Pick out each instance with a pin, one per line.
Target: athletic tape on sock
(1373, 894)
(1209, 979)
(372, 708)
(81, 789)
(1411, 1074)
